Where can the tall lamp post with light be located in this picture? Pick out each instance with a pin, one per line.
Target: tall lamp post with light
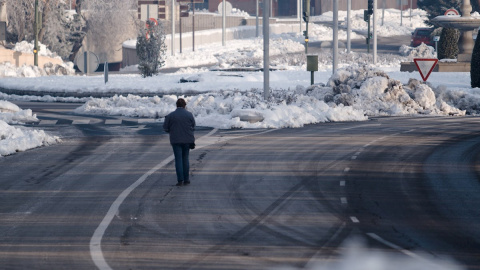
(35, 29)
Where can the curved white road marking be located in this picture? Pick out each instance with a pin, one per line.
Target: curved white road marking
(96, 240)
(392, 245)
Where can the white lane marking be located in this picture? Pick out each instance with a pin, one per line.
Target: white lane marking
(113, 122)
(347, 169)
(357, 153)
(96, 252)
(343, 200)
(145, 120)
(47, 122)
(354, 157)
(392, 245)
(354, 219)
(81, 122)
(342, 183)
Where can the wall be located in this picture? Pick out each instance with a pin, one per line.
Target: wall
(322, 6)
(19, 59)
(207, 37)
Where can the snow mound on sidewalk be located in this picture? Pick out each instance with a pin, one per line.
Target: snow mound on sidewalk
(422, 51)
(27, 47)
(9, 70)
(374, 92)
(351, 94)
(13, 139)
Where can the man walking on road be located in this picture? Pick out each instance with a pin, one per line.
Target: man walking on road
(180, 124)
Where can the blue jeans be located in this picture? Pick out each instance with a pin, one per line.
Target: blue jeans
(182, 164)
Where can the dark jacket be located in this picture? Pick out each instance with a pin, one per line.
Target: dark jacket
(180, 124)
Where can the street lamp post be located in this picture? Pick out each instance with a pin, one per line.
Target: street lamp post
(35, 26)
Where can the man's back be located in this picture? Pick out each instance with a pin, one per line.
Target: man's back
(180, 124)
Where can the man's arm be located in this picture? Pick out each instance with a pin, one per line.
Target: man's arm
(166, 124)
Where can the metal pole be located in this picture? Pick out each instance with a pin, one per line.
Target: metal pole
(266, 50)
(257, 30)
(193, 26)
(306, 38)
(180, 26)
(35, 25)
(383, 12)
(173, 27)
(335, 36)
(401, 12)
(300, 12)
(374, 31)
(349, 25)
(223, 22)
(299, 15)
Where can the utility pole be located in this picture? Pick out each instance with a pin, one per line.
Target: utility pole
(266, 49)
(349, 25)
(256, 20)
(335, 36)
(306, 18)
(374, 31)
(173, 27)
(36, 26)
(224, 11)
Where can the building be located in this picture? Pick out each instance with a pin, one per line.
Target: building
(288, 8)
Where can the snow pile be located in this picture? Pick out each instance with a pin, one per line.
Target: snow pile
(14, 139)
(25, 47)
(422, 51)
(224, 109)
(392, 24)
(9, 70)
(358, 256)
(12, 114)
(351, 94)
(374, 92)
(239, 12)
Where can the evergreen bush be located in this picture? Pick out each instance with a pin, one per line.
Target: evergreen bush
(475, 64)
(151, 49)
(448, 45)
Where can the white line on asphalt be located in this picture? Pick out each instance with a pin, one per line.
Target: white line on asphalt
(343, 200)
(342, 183)
(81, 122)
(392, 245)
(354, 157)
(113, 122)
(355, 219)
(47, 122)
(96, 240)
(347, 169)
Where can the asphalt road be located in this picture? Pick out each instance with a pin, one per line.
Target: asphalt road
(105, 197)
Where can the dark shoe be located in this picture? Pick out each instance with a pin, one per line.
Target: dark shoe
(179, 184)
(186, 183)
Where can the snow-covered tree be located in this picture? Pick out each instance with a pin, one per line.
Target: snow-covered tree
(151, 49)
(109, 24)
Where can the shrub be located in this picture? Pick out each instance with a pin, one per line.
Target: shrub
(151, 49)
(448, 45)
(475, 64)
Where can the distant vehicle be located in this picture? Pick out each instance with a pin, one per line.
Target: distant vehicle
(422, 35)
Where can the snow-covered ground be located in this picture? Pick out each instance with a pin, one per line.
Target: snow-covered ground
(221, 99)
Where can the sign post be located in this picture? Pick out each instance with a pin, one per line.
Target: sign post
(425, 66)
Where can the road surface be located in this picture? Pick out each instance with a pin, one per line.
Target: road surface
(105, 197)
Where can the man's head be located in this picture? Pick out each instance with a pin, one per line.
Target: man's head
(181, 103)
